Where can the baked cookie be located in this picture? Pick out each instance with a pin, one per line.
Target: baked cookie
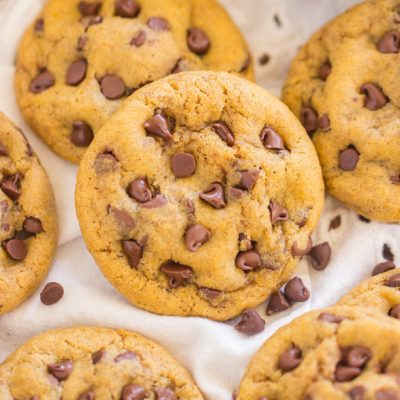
(343, 87)
(334, 354)
(28, 218)
(198, 197)
(90, 363)
(80, 59)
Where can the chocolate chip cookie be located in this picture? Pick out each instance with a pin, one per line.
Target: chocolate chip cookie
(80, 59)
(334, 354)
(28, 219)
(342, 86)
(199, 195)
(89, 363)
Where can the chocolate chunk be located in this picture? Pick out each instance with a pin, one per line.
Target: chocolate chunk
(97, 356)
(324, 123)
(76, 72)
(195, 236)
(127, 8)
(248, 179)
(3, 151)
(320, 256)
(328, 317)
(39, 25)
(177, 273)
(248, 260)
(383, 267)
(344, 373)
(295, 291)
(357, 393)
(290, 359)
(166, 394)
(157, 202)
(87, 8)
(127, 355)
(43, 81)
(348, 158)
(133, 392)
(158, 126)
(32, 225)
(297, 252)
(62, 370)
(251, 323)
(158, 24)
(278, 212)
(139, 190)
(51, 293)
(82, 134)
(10, 185)
(134, 252)
(390, 42)
(325, 71)
(82, 41)
(374, 96)
(183, 165)
(335, 222)
(87, 396)
(139, 39)
(214, 195)
(224, 132)
(393, 281)
(15, 248)
(394, 312)
(112, 86)
(356, 356)
(387, 253)
(309, 119)
(210, 293)
(277, 303)
(197, 41)
(271, 139)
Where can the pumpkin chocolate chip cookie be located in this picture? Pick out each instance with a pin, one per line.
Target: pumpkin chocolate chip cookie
(342, 86)
(199, 195)
(81, 59)
(88, 363)
(28, 219)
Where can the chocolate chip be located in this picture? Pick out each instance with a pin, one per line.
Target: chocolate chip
(363, 219)
(127, 355)
(248, 260)
(183, 165)
(309, 119)
(344, 373)
(43, 81)
(89, 8)
(133, 392)
(139, 39)
(390, 42)
(324, 123)
(157, 202)
(195, 236)
(248, 179)
(32, 225)
(112, 86)
(197, 41)
(62, 370)
(394, 312)
(264, 59)
(386, 394)
(158, 24)
(278, 212)
(335, 222)
(325, 70)
(271, 139)
(290, 359)
(387, 253)
(82, 41)
(295, 291)
(82, 134)
(251, 323)
(210, 293)
(10, 185)
(15, 248)
(395, 179)
(224, 132)
(97, 356)
(105, 162)
(93, 20)
(235, 193)
(328, 317)
(320, 256)
(214, 195)
(383, 267)
(38, 25)
(177, 273)
(357, 393)
(158, 126)
(393, 281)
(134, 252)
(277, 303)
(356, 356)
(87, 396)
(190, 207)
(166, 394)
(374, 96)
(139, 190)
(51, 293)
(127, 8)
(76, 72)
(348, 158)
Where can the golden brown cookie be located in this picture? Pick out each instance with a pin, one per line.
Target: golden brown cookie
(198, 197)
(28, 218)
(80, 59)
(343, 87)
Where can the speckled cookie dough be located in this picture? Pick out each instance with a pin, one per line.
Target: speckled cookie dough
(90, 363)
(343, 87)
(28, 218)
(339, 353)
(199, 195)
(80, 59)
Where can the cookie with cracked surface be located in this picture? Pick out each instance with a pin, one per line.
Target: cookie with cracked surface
(342, 86)
(93, 363)
(28, 218)
(334, 354)
(81, 59)
(199, 195)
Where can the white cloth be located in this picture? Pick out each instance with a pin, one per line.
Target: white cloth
(213, 352)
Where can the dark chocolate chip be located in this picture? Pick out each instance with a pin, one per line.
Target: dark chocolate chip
(139, 39)
(383, 267)
(393, 281)
(157, 202)
(224, 132)
(348, 159)
(87, 8)
(248, 179)
(195, 236)
(158, 126)
(76, 72)
(344, 373)
(183, 165)
(97, 356)
(295, 291)
(158, 24)
(297, 252)
(248, 260)
(139, 190)
(38, 25)
(43, 81)
(62, 370)
(251, 323)
(166, 394)
(387, 253)
(112, 86)
(309, 119)
(271, 139)
(356, 356)
(386, 394)
(374, 96)
(51, 293)
(82, 134)
(32, 225)
(15, 248)
(10, 185)
(394, 312)
(357, 393)
(127, 355)
(214, 195)
(277, 303)
(390, 42)
(325, 70)
(290, 359)
(127, 8)
(198, 41)
(133, 392)
(335, 222)
(177, 273)
(328, 317)
(278, 212)
(134, 252)
(320, 256)
(324, 123)
(87, 396)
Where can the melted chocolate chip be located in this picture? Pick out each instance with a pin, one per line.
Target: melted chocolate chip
(15, 248)
(214, 195)
(177, 273)
(183, 165)
(248, 179)
(51, 293)
(97, 356)
(93, 20)
(271, 139)
(139, 39)
(113, 87)
(76, 72)
(32, 225)
(134, 252)
(390, 42)
(10, 185)
(127, 355)
(127, 8)
(374, 96)
(248, 260)
(87, 8)
(277, 303)
(393, 281)
(158, 24)
(383, 267)
(158, 126)
(251, 323)
(356, 356)
(344, 373)
(157, 202)
(348, 159)
(133, 392)
(62, 370)
(328, 317)
(224, 132)
(197, 41)
(278, 212)
(325, 71)
(309, 119)
(295, 291)
(320, 256)
(166, 394)
(394, 312)
(195, 236)
(290, 359)
(82, 134)
(357, 393)
(324, 123)
(43, 81)
(139, 190)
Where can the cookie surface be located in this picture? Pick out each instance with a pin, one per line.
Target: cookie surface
(342, 86)
(198, 197)
(94, 363)
(80, 59)
(334, 354)
(28, 228)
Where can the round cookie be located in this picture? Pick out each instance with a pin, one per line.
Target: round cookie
(28, 218)
(87, 363)
(80, 59)
(199, 195)
(342, 86)
(334, 354)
